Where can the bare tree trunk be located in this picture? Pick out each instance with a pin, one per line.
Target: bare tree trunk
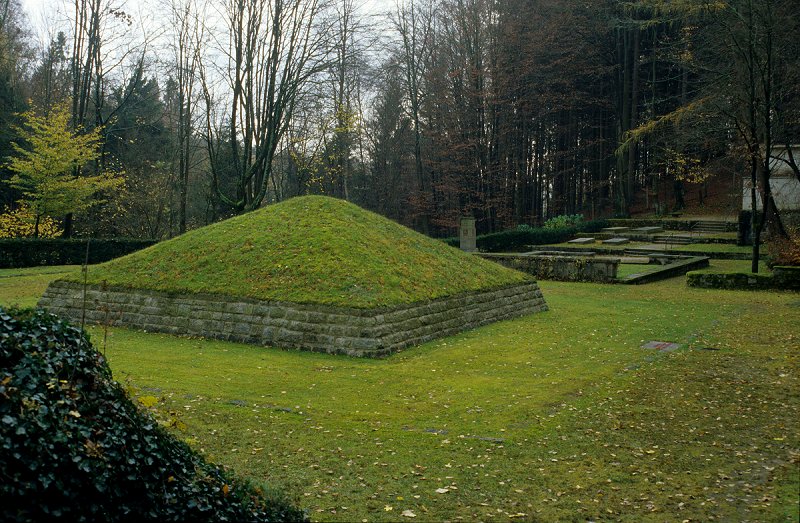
(273, 50)
(416, 35)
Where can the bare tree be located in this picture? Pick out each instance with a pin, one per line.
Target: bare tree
(753, 37)
(103, 46)
(415, 26)
(273, 48)
(187, 39)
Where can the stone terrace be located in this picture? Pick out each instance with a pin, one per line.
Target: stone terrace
(339, 330)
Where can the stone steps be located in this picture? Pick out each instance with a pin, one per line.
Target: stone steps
(673, 239)
(710, 226)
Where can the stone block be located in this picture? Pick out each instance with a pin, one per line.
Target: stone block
(616, 241)
(296, 315)
(582, 241)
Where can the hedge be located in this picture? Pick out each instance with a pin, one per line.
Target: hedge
(29, 252)
(521, 237)
(74, 447)
(782, 278)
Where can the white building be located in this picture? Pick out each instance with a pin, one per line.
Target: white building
(783, 182)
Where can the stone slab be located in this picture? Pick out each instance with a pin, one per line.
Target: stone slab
(613, 230)
(648, 230)
(582, 241)
(663, 346)
(616, 241)
(320, 328)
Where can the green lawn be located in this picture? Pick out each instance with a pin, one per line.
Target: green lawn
(626, 269)
(734, 266)
(24, 287)
(555, 416)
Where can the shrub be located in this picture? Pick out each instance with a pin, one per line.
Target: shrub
(74, 447)
(30, 252)
(593, 225)
(783, 251)
(565, 220)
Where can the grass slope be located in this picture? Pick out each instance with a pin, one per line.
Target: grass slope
(311, 249)
(556, 417)
(23, 287)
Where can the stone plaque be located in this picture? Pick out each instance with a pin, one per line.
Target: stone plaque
(466, 234)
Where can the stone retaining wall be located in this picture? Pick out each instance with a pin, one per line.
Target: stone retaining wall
(677, 267)
(340, 330)
(561, 268)
(782, 278)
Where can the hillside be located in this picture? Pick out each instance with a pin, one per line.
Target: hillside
(310, 249)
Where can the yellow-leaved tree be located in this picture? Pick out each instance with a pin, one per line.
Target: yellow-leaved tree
(23, 223)
(47, 166)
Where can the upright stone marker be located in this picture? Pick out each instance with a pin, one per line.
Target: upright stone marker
(466, 234)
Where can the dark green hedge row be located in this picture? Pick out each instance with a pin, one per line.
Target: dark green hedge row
(74, 447)
(782, 278)
(29, 252)
(520, 238)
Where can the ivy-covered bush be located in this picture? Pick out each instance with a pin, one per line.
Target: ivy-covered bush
(29, 252)
(74, 447)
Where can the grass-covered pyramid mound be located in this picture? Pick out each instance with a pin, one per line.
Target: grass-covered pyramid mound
(311, 249)
(322, 269)
(74, 447)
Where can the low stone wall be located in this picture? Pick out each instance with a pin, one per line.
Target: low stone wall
(561, 268)
(676, 268)
(340, 330)
(782, 278)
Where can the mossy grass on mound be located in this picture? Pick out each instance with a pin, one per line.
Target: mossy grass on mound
(310, 249)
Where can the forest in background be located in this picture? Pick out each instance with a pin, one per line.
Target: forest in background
(511, 111)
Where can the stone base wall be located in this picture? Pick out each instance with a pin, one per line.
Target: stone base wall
(782, 278)
(561, 268)
(339, 330)
(677, 267)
